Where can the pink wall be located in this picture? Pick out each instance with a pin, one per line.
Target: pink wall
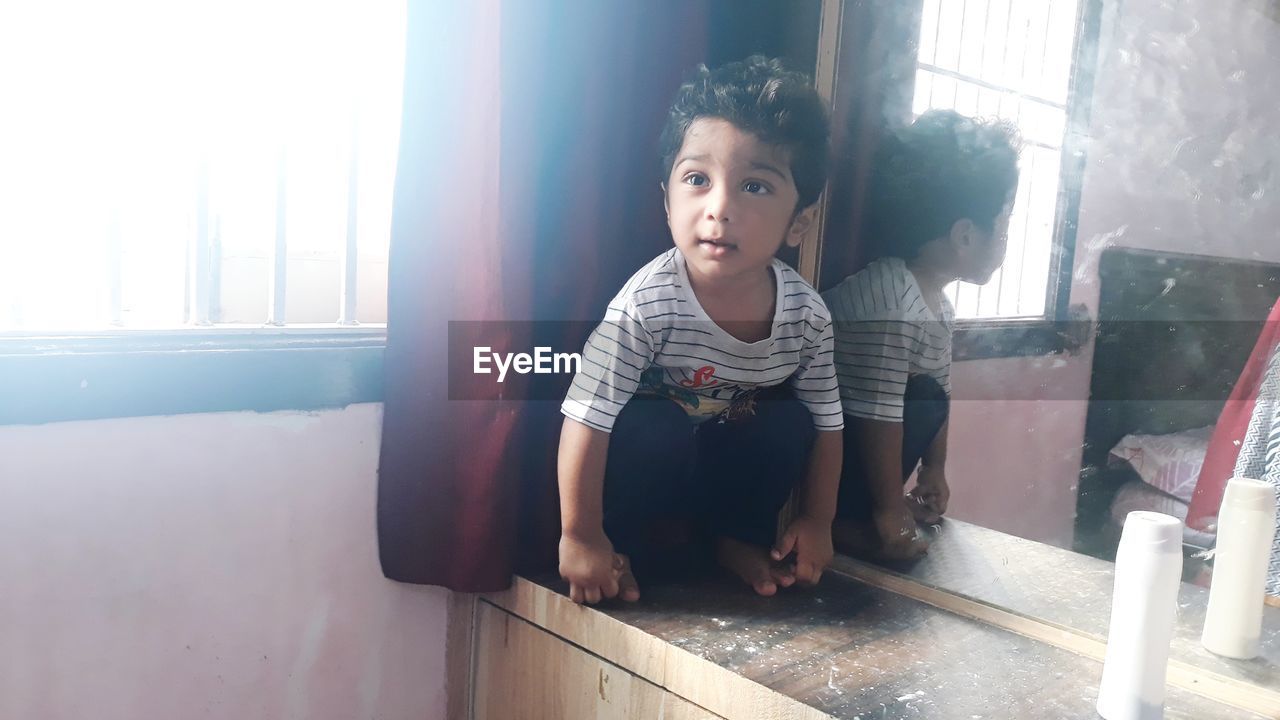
(220, 566)
(1184, 157)
(1014, 445)
(1185, 153)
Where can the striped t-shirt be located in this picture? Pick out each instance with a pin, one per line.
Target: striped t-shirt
(885, 333)
(656, 339)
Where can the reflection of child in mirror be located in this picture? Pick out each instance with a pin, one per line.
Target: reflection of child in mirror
(708, 391)
(941, 193)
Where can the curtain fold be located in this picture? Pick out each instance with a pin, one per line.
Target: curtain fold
(527, 192)
(445, 227)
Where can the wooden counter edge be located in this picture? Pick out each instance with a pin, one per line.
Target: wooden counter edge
(700, 681)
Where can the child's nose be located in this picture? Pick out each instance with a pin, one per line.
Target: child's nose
(718, 205)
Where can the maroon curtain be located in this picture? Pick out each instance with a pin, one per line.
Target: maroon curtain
(875, 80)
(527, 191)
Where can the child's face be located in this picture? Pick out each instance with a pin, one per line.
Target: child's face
(985, 253)
(731, 201)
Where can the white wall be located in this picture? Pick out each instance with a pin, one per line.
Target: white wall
(213, 566)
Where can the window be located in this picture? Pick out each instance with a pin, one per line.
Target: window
(1010, 59)
(197, 165)
(195, 204)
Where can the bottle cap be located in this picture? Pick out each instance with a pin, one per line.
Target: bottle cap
(1247, 494)
(1150, 529)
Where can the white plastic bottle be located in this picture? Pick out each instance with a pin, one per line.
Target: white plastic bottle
(1143, 605)
(1246, 529)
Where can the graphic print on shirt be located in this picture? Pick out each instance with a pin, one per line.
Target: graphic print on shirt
(728, 401)
(701, 378)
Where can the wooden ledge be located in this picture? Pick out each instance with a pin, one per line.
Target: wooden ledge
(843, 650)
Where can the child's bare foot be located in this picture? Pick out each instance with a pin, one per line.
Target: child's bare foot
(628, 589)
(753, 565)
(862, 541)
(855, 539)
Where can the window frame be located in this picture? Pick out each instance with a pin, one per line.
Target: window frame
(47, 377)
(1051, 333)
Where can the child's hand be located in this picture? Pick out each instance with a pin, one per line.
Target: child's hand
(811, 541)
(930, 496)
(897, 528)
(594, 570)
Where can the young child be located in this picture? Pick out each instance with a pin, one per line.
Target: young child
(708, 391)
(941, 193)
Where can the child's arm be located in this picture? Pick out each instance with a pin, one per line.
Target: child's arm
(823, 482)
(809, 533)
(587, 559)
(880, 443)
(816, 385)
(875, 360)
(619, 350)
(936, 455)
(931, 490)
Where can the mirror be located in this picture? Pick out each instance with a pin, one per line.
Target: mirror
(1091, 372)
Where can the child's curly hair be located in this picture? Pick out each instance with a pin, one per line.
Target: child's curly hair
(759, 96)
(942, 168)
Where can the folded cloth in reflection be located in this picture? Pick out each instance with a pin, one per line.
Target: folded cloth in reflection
(1170, 463)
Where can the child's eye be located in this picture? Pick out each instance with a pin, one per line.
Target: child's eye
(695, 179)
(755, 187)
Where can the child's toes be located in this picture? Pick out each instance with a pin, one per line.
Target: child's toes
(756, 573)
(782, 576)
(628, 589)
(765, 587)
(754, 566)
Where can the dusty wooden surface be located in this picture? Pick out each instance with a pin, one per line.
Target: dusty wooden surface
(1258, 699)
(1073, 590)
(524, 672)
(845, 649)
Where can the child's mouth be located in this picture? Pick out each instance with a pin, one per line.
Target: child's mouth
(717, 248)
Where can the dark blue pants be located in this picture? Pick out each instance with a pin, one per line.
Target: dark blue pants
(721, 478)
(925, 410)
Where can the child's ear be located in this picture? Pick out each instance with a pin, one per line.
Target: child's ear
(800, 225)
(962, 234)
(666, 206)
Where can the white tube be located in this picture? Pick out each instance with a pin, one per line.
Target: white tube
(1143, 605)
(1246, 529)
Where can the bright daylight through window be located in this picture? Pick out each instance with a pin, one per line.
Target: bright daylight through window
(177, 164)
(1008, 59)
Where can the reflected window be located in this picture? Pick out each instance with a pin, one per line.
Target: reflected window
(1011, 59)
